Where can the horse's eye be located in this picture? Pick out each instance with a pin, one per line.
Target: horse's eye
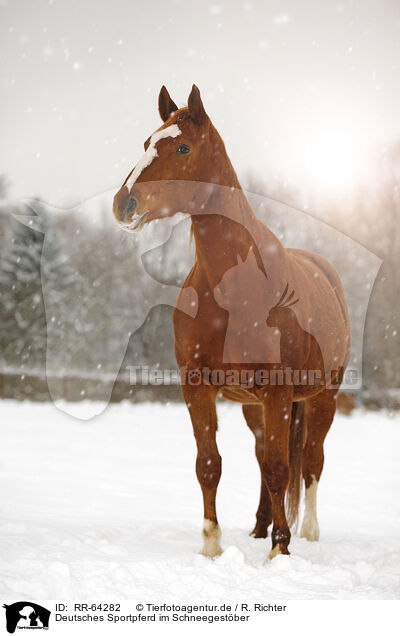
(183, 149)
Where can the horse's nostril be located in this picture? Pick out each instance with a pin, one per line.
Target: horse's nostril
(130, 208)
(132, 205)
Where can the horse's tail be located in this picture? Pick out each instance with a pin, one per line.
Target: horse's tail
(296, 442)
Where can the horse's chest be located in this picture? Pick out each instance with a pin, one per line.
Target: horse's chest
(200, 338)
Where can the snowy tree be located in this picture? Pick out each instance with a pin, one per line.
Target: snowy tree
(22, 311)
(381, 211)
(22, 336)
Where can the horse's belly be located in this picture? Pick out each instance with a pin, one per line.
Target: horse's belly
(238, 394)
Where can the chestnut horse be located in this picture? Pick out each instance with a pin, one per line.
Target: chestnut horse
(270, 330)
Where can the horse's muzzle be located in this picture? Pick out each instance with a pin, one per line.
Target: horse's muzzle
(124, 206)
(125, 209)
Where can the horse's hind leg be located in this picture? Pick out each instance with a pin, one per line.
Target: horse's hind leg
(275, 466)
(200, 401)
(254, 416)
(319, 413)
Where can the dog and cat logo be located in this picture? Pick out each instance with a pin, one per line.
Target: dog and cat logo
(26, 615)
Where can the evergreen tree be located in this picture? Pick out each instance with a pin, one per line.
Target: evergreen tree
(23, 267)
(23, 326)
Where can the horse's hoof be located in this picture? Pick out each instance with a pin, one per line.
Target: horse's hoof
(310, 535)
(211, 536)
(259, 532)
(211, 554)
(278, 549)
(310, 530)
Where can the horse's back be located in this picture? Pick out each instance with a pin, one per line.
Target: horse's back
(320, 263)
(324, 303)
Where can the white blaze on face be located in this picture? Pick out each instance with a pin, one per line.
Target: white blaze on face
(151, 152)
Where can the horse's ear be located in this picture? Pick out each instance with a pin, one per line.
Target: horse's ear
(250, 254)
(166, 106)
(196, 108)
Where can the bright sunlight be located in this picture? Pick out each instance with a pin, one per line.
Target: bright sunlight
(332, 155)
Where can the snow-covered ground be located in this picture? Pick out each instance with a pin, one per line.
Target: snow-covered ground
(111, 508)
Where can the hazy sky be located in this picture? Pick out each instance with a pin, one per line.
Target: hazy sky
(80, 80)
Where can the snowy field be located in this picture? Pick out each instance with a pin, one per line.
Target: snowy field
(111, 509)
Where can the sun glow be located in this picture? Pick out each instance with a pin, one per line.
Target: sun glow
(332, 156)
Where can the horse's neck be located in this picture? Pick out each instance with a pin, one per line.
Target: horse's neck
(227, 227)
(222, 232)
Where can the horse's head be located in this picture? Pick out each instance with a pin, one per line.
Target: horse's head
(183, 159)
(281, 312)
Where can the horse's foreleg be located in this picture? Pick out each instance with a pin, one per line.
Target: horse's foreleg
(275, 466)
(200, 401)
(319, 413)
(254, 416)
